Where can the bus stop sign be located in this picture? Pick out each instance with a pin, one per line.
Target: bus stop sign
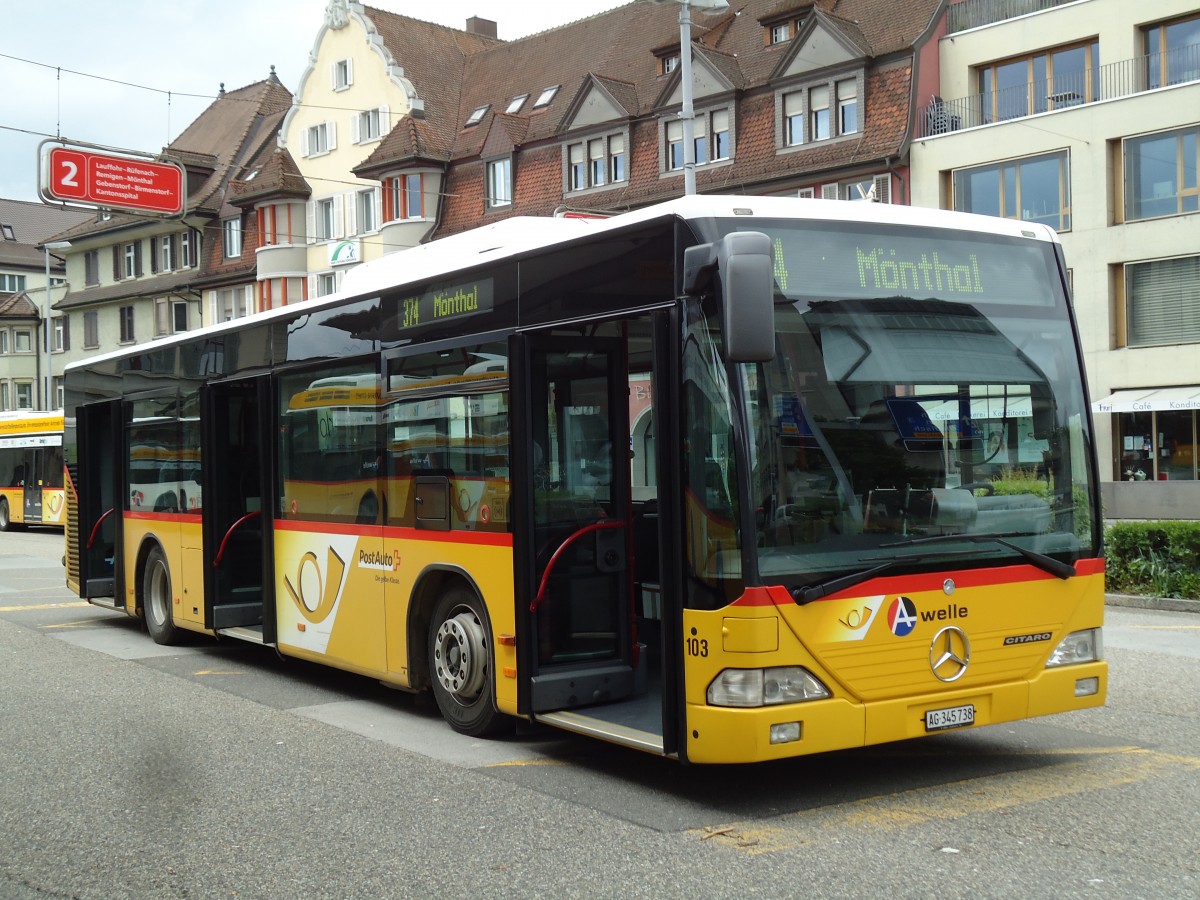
(87, 177)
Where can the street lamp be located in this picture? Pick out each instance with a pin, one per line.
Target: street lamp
(685, 72)
(44, 379)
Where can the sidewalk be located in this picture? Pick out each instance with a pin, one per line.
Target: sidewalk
(1138, 601)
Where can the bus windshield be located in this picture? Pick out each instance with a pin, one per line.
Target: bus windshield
(924, 405)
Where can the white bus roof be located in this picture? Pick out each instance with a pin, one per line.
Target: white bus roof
(519, 234)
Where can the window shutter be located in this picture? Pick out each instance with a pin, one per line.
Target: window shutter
(356, 128)
(385, 123)
(351, 213)
(331, 130)
(310, 218)
(1164, 297)
(154, 254)
(883, 188)
(829, 192)
(116, 262)
(66, 332)
(339, 213)
(137, 258)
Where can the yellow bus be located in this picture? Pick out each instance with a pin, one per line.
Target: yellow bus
(31, 469)
(726, 479)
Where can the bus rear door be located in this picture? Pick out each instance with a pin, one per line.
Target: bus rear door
(101, 483)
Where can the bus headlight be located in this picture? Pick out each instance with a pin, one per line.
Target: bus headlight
(765, 687)
(1077, 647)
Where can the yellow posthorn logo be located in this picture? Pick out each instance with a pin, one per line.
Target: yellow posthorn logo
(315, 597)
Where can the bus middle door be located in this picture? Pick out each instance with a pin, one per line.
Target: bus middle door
(579, 619)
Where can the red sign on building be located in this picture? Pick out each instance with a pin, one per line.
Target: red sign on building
(74, 175)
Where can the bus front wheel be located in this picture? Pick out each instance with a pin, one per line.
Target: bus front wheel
(460, 664)
(156, 598)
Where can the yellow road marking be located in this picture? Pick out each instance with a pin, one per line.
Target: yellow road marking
(1126, 765)
(1167, 627)
(541, 761)
(64, 605)
(215, 672)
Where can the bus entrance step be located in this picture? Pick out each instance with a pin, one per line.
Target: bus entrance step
(230, 615)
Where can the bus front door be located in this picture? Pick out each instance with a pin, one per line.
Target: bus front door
(100, 482)
(580, 640)
(34, 465)
(235, 442)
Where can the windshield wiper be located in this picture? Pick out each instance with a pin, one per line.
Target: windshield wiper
(803, 595)
(1042, 561)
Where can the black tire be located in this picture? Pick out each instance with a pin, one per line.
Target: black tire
(6, 523)
(157, 601)
(461, 667)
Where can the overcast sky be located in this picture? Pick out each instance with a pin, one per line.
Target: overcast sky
(55, 57)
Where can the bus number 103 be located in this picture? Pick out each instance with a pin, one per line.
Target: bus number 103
(696, 647)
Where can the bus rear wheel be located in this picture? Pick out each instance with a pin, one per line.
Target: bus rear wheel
(5, 520)
(156, 598)
(460, 664)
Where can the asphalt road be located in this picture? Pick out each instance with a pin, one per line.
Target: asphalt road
(219, 770)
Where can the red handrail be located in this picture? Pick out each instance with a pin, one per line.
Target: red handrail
(586, 529)
(96, 527)
(232, 528)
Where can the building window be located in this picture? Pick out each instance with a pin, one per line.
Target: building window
(1035, 189)
(4, 401)
(1161, 173)
(876, 189)
(132, 259)
(24, 390)
(517, 102)
(793, 119)
(779, 34)
(847, 103)
(166, 252)
(58, 392)
(189, 249)
(3, 341)
(1051, 79)
(499, 183)
(668, 64)
(325, 212)
(9, 233)
(1172, 51)
(1162, 302)
(545, 97)
(674, 137)
(596, 162)
(11, 283)
(91, 267)
(62, 333)
(326, 284)
(320, 139)
(91, 330)
(343, 74)
(1156, 446)
(231, 234)
(368, 126)
(22, 341)
(230, 304)
(126, 316)
(404, 197)
(367, 219)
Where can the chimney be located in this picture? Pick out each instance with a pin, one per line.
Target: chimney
(481, 27)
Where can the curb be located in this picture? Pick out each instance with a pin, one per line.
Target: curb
(1137, 601)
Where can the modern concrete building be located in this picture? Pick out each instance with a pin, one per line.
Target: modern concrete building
(1085, 115)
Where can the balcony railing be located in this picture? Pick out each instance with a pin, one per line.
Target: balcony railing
(977, 13)
(1119, 79)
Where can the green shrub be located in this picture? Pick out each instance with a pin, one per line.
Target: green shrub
(1159, 558)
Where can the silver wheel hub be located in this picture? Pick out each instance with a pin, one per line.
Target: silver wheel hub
(158, 603)
(460, 656)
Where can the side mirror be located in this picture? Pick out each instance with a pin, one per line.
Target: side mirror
(742, 261)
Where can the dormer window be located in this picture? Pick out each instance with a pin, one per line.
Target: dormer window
(516, 104)
(545, 97)
(477, 114)
(779, 34)
(668, 64)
